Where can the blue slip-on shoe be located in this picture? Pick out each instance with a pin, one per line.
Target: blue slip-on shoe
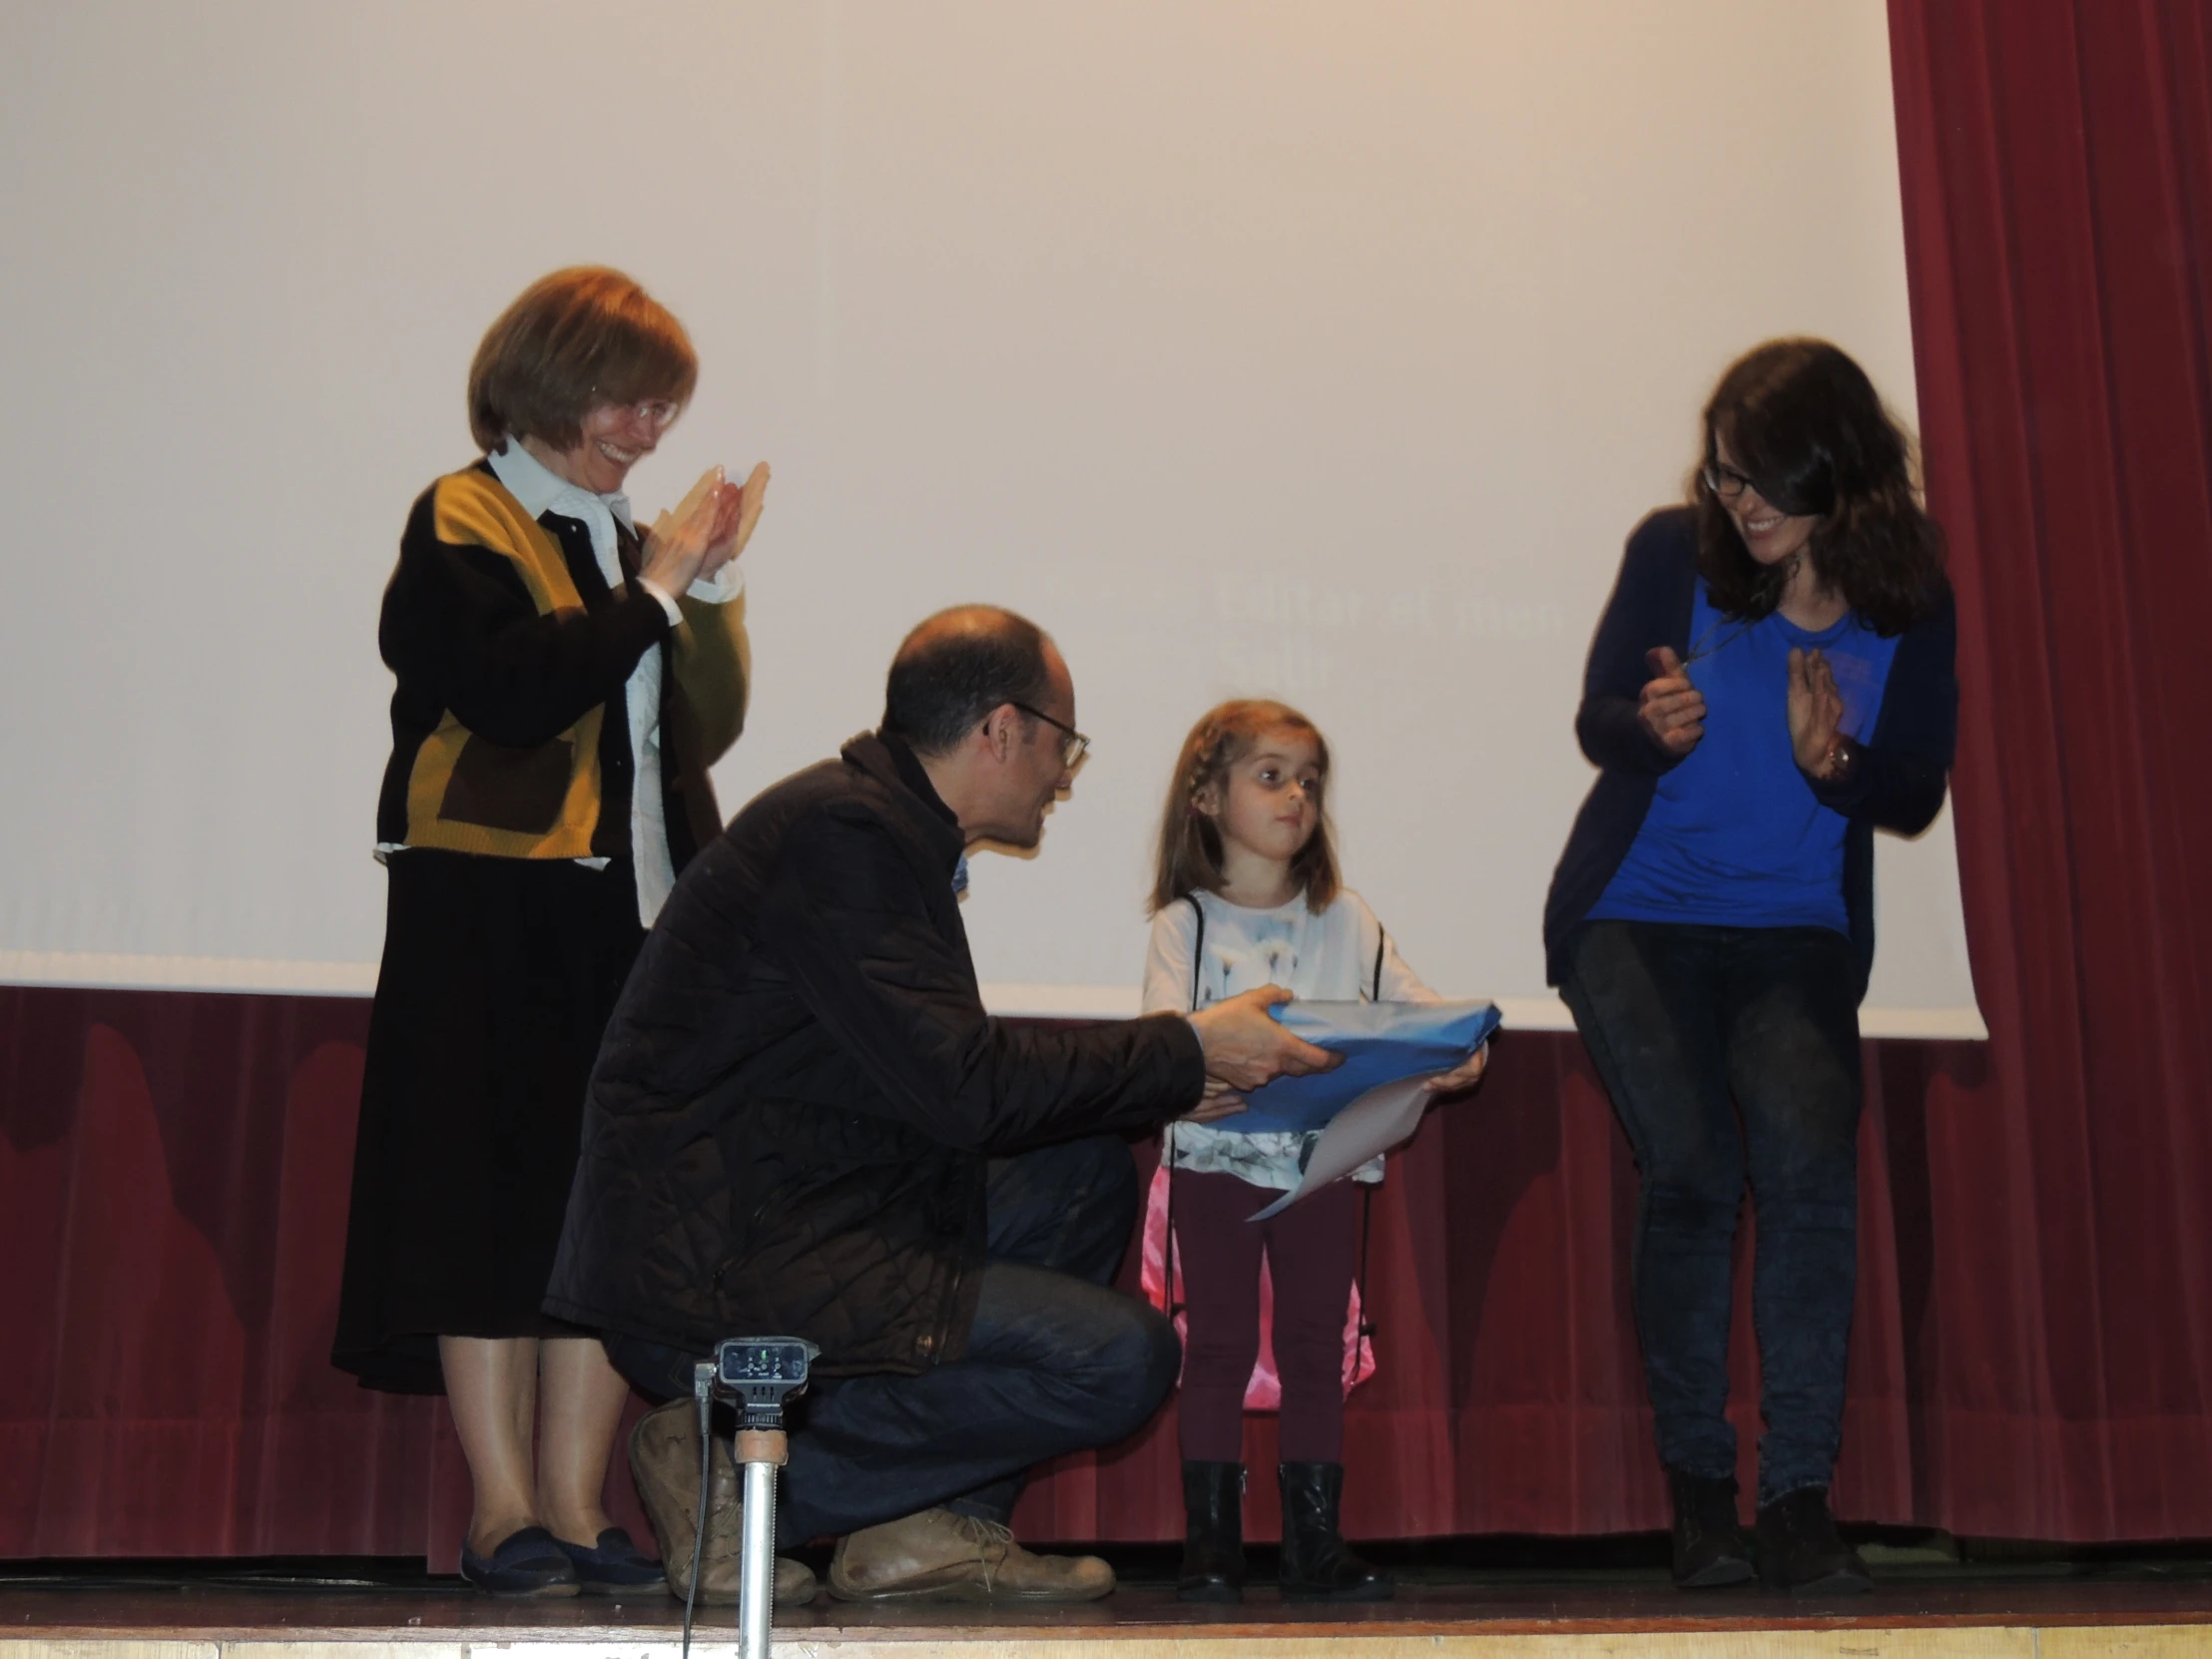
(613, 1565)
(531, 1562)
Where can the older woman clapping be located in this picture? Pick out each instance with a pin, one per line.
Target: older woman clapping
(563, 685)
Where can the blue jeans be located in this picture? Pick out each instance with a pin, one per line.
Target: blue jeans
(1057, 1361)
(1690, 1026)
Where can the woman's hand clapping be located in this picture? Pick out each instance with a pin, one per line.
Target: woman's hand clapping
(708, 530)
(1672, 709)
(750, 499)
(1816, 711)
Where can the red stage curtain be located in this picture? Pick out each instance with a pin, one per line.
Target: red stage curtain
(2057, 176)
(2031, 1356)
(173, 1185)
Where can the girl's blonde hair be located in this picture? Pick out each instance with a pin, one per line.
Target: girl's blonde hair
(1190, 840)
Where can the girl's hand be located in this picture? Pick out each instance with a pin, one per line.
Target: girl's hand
(1671, 710)
(1816, 711)
(1465, 1075)
(1218, 1101)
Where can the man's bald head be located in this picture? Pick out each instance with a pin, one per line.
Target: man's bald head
(958, 665)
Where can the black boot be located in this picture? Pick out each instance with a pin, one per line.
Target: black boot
(1799, 1548)
(1213, 1532)
(1317, 1563)
(1708, 1550)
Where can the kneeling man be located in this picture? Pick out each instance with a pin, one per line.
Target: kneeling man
(802, 1123)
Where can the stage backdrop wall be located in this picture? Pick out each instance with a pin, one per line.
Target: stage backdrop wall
(2031, 1354)
(1317, 351)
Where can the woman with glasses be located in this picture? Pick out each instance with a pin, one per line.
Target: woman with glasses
(564, 682)
(1771, 682)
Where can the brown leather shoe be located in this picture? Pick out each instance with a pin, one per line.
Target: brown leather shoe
(664, 1461)
(941, 1556)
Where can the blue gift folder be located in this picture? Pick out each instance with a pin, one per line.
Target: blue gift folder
(1381, 1042)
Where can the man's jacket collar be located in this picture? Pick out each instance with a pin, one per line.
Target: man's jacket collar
(891, 763)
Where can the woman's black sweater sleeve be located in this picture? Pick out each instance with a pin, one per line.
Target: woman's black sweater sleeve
(1639, 615)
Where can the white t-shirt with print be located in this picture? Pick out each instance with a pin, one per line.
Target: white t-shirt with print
(1340, 954)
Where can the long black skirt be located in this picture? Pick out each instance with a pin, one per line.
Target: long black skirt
(497, 982)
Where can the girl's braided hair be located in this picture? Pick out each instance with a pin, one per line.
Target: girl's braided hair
(1190, 840)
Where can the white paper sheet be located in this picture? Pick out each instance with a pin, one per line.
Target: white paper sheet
(1371, 1124)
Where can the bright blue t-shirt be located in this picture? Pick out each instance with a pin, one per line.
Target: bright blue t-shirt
(1735, 836)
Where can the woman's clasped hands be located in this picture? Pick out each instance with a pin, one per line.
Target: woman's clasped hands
(707, 530)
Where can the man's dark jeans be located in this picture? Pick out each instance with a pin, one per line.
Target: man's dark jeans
(1055, 1362)
(1678, 1020)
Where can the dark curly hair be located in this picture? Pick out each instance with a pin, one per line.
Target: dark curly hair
(1805, 427)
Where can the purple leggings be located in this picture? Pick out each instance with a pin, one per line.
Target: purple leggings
(1309, 1249)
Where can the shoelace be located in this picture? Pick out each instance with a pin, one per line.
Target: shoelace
(994, 1540)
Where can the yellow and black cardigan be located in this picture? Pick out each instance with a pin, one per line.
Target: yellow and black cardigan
(509, 730)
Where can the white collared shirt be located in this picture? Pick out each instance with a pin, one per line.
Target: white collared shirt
(542, 490)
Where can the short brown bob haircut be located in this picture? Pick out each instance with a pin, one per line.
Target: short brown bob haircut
(1190, 840)
(574, 339)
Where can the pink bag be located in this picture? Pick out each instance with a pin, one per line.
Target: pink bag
(1265, 1392)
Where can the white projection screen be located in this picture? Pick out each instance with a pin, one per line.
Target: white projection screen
(1320, 350)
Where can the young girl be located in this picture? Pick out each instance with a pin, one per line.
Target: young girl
(1246, 896)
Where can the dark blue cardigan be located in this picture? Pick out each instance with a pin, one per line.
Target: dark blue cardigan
(1897, 785)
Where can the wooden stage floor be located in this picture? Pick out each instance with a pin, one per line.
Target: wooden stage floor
(117, 1612)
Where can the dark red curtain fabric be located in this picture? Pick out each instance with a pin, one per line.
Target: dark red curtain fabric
(173, 1189)
(2032, 1355)
(174, 1172)
(2056, 163)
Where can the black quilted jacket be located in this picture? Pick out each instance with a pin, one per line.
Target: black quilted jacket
(791, 1109)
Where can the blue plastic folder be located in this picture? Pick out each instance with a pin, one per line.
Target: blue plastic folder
(1381, 1042)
